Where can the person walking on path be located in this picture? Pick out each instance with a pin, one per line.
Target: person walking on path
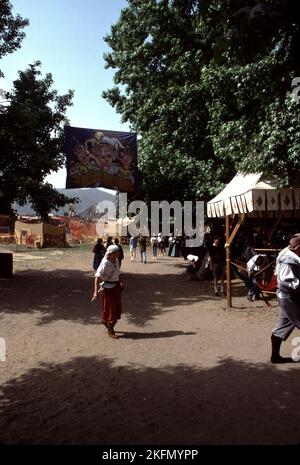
(288, 294)
(143, 249)
(161, 245)
(99, 252)
(110, 289)
(121, 252)
(154, 246)
(132, 247)
(217, 256)
(109, 241)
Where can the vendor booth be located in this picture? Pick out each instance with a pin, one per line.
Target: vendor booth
(256, 196)
(40, 234)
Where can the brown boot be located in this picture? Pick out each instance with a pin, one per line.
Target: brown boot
(111, 332)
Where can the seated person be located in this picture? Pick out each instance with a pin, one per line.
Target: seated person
(193, 266)
(253, 265)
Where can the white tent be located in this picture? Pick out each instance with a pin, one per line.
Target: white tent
(248, 193)
(251, 194)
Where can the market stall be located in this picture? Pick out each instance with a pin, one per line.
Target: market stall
(252, 196)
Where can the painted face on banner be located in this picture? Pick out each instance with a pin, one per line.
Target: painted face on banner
(107, 156)
(126, 160)
(92, 151)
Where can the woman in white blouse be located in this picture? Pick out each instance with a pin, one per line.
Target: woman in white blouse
(110, 288)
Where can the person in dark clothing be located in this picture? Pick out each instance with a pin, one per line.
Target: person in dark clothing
(121, 252)
(99, 252)
(249, 252)
(217, 257)
(174, 249)
(109, 241)
(143, 249)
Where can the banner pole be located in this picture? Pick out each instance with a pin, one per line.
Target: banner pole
(118, 212)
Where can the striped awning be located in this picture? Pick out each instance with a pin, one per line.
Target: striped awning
(247, 193)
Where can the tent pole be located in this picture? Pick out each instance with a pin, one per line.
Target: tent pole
(229, 239)
(275, 225)
(228, 274)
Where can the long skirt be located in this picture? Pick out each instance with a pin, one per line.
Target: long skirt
(111, 304)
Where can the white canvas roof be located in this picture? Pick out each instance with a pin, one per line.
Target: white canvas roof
(252, 192)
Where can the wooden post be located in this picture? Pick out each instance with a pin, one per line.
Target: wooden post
(229, 239)
(228, 273)
(275, 225)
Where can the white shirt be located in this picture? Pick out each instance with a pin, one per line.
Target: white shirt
(108, 271)
(191, 258)
(284, 273)
(251, 264)
(282, 252)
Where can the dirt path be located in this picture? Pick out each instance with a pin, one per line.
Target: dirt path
(185, 370)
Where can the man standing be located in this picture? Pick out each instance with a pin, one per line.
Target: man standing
(217, 258)
(154, 246)
(132, 247)
(143, 249)
(121, 252)
(288, 278)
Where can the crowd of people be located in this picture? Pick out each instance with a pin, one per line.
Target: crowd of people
(107, 262)
(108, 257)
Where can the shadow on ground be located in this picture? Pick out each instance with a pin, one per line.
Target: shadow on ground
(65, 294)
(156, 335)
(92, 401)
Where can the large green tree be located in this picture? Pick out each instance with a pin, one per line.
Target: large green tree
(158, 51)
(253, 117)
(11, 30)
(207, 84)
(32, 141)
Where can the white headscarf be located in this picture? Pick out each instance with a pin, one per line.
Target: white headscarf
(107, 270)
(111, 249)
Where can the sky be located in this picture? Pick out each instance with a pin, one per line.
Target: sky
(67, 37)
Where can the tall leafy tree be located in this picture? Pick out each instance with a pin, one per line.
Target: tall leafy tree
(158, 50)
(253, 117)
(31, 142)
(207, 84)
(11, 29)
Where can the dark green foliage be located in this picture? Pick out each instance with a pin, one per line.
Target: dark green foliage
(31, 141)
(207, 84)
(11, 33)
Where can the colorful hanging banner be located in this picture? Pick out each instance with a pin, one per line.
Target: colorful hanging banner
(98, 158)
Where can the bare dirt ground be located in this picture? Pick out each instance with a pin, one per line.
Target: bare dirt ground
(185, 369)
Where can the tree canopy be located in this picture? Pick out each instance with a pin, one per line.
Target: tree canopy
(31, 128)
(207, 85)
(32, 141)
(253, 117)
(11, 33)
